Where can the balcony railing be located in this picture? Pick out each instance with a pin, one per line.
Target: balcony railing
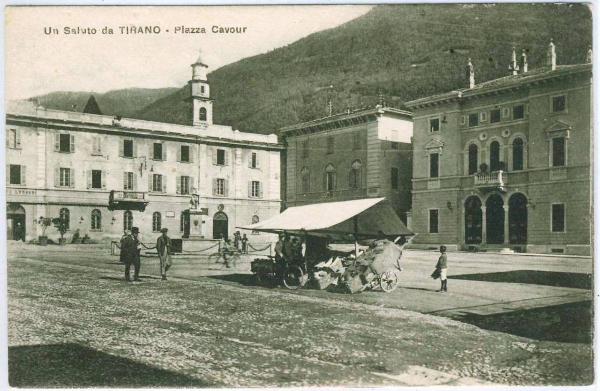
(126, 200)
(496, 179)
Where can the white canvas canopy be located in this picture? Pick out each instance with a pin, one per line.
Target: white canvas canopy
(360, 219)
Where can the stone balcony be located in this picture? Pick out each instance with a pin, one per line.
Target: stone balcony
(490, 180)
(127, 200)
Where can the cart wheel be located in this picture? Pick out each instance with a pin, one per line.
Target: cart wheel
(294, 277)
(388, 281)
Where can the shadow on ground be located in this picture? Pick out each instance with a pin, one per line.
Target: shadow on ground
(73, 365)
(536, 277)
(571, 322)
(238, 278)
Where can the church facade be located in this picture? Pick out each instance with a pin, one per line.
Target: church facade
(506, 164)
(104, 174)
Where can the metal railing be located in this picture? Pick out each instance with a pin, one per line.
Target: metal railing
(126, 195)
(490, 179)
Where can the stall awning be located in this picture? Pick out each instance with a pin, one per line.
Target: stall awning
(363, 218)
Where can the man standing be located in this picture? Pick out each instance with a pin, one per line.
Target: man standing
(442, 266)
(244, 244)
(135, 232)
(163, 247)
(128, 253)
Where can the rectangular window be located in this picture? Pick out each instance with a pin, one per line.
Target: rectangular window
(559, 104)
(518, 112)
(128, 181)
(157, 151)
(15, 174)
(495, 116)
(253, 160)
(355, 141)
(434, 165)
(184, 185)
(184, 154)
(220, 187)
(394, 178)
(96, 179)
(433, 221)
(64, 143)
(305, 149)
(558, 217)
(558, 152)
(330, 144)
(473, 120)
(255, 189)
(157, 183)
(14, 140)
(127, 148)
(65, 177)
(434, 125)
(220, 157)
(96, 145)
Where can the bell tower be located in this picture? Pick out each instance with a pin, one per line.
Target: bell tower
(200, 94)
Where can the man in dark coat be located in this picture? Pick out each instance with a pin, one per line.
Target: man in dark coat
(128, 254)
(135, 232)
(442, 266)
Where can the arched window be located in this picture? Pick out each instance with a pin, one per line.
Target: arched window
(517, 152)
(96, 219)
(127, 220)
(330, 177)
(156, 222)
(65, 216)
(305, 176)
(354, 177)
(473, 159)
(494, 156)
(202, 114)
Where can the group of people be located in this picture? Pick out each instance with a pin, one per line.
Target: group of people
(131, 248)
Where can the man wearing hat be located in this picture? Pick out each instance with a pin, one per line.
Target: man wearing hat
(129, 254)
(163, 247)
(135, 233)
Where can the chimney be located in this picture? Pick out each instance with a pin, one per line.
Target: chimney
(513, 62)
(589, 56)
(470, 74)
(551, 59)
(524, 61)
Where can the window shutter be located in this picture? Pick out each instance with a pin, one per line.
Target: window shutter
(135, 148)
(99, 148)
(8, 139)
(191, 151)
(150, 177)
(125, 180)
(334, 181)
(164, 152)
(179, 153)
(260, 190)
(72, 171)
(134, 182)
(257, 160)
(151, 151)
(249, 189)
(57, 177)
(214, 186)
(89, 179)
(250, 160)
(163, 182)
(23, 176)
(72, 137)
(225, 187)
(121, 147)
(8, 173)
(17, 138)
(103, 179)
(57, 142)
(178, 185)
(193, 185)
(213, 152)
(226, 154)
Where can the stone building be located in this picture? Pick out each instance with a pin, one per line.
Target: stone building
(356, 154)
(99, 172)
(506, 163)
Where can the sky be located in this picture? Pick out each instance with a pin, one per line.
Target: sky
(38, 63)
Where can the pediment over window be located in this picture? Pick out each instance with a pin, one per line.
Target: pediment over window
(434, 144)
(557, 129)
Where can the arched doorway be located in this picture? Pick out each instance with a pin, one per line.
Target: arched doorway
(220, 226)
(15, 222)
(473, 220)
(494, 219)
(517, 219)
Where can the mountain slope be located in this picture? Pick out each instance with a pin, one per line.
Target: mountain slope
(125, 102)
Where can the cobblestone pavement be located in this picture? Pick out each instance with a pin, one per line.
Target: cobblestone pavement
(213, 333)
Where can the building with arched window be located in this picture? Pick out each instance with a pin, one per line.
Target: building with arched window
(511, 159)
(105, 173)
(356, 154)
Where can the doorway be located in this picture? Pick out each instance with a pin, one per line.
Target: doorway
(517, 219)
(220, 226)
(15, 222)
(185, 223)
(473, 220)
(495, 219)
